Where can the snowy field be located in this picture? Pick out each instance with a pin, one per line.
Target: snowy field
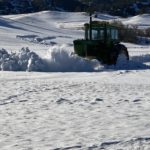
(53, 100)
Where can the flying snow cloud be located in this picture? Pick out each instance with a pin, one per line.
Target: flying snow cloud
(58, 59)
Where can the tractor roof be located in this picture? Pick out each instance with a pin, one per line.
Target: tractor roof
(99, 24)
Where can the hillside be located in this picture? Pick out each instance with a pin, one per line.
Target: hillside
(122, 7)
(119, 8)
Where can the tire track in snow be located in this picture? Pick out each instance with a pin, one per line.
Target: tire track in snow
(14, 98)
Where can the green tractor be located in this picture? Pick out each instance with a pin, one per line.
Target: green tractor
(101, 42)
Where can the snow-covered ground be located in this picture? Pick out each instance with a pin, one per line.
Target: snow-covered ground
(73, 103)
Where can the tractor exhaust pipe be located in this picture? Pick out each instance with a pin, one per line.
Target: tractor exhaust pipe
(90, 23)
(90, 26)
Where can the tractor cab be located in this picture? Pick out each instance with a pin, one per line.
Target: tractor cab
(101, 42)
(101, 31)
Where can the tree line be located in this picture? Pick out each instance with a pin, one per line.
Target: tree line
(131, 33)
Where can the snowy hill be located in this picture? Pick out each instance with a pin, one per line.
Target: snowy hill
(140, 20)
(50, 25)
(72, 103)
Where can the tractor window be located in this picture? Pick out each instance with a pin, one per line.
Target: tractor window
(108, 33)
(101, 34)
(114, 34)
(94, 34)
(97, 34)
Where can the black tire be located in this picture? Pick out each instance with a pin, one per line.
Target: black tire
(120, 50)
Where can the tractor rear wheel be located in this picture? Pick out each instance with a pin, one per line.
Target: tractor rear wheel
(122, 54)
